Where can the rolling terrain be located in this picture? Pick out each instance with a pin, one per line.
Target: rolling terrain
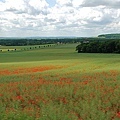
(57, 83)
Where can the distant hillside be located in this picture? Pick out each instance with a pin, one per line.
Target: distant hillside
(110, 36)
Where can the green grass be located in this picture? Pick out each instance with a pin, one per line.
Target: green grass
(57, 83)
(24, 48)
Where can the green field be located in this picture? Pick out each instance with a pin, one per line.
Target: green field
(57, 83)
(24, 48)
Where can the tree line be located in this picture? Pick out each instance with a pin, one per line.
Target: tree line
(32, 41)
(39, 41)
(110, 36)
(108, 46)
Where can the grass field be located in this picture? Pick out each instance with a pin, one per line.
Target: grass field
(57, 83)
(24, 48)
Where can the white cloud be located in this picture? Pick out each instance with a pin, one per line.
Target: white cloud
(77, 3)
(67, 17)
(64, 2)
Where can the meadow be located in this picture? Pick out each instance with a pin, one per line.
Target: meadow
(57, 83)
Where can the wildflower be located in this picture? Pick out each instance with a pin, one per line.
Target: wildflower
(19, 97)
(118, 114)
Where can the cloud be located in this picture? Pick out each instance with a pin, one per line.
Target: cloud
(66, 17)
(33, 7)
(64, 2)
(107, 3)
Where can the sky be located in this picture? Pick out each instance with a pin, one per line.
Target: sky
(51, 18)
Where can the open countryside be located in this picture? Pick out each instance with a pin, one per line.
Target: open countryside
(57, 83)
(59, 59)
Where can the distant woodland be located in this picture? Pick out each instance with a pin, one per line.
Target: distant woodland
(110, 36)
(109, 46)
(41, 41)
(105, 43)
(37, 41)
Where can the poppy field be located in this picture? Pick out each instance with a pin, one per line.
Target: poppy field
(58, 83)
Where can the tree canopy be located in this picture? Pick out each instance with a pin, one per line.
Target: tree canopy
(109, 46)
(110, 36)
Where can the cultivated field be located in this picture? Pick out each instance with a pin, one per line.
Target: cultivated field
(57, 83)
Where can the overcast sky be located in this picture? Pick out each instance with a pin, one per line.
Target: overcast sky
(22, 18)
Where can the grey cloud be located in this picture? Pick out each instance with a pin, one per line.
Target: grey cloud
(62, 20)
(69, 4)
(11, 9)
(107, 3)
(105, 21)
(15, 21)
(47, 19)
(93, 3)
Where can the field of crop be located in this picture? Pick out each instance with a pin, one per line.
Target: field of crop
(23, 48)
(57, 83)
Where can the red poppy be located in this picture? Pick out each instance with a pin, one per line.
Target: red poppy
(19, 97)
(118, 114)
